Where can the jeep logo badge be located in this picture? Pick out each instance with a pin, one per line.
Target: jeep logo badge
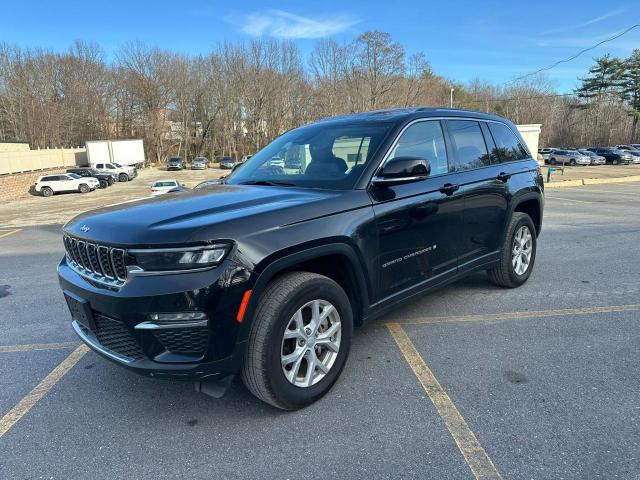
(85, 228)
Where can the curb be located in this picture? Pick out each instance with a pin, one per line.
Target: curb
(592, 181)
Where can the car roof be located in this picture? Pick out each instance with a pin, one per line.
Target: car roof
(402, 114)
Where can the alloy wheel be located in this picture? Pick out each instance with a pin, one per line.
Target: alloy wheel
(311, 343)
(522, 250)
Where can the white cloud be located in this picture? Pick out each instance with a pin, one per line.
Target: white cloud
(586, 23)
(277, 23)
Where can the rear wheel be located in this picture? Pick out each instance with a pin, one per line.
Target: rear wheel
(123, 177)
(46, 192)
(83, 188)
(572, 162)
(553, 161)
(518, 253)
(299, 340)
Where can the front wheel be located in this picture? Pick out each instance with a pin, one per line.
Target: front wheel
(299, 341)
(83, 188)
(518, 253)
(104, 184)
(123, 177)
(572, 162)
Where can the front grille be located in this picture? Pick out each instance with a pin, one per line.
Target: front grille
(101, 263)
(114, 335)
(184, 340)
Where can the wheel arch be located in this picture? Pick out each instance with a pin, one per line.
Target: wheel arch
(530, 204)
(338, 261)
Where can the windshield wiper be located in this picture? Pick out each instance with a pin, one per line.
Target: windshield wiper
(270, 183)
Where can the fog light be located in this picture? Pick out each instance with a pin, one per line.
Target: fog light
(161, 321)
(177, 317)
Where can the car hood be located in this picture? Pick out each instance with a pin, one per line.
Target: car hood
(215, 213)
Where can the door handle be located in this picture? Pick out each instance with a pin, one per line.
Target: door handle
(503, 176)
(449, 188)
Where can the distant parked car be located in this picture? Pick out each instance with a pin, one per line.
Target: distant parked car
(124, 173)
(293, 162)
(544, 153)
(200, 163)
(612, 155)
(595, 159)
(176, 163)
(160, 187)
(105, 179)
(226, 162)
(568, 157)
(65, 182)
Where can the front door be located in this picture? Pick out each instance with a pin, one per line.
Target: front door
(419, 224)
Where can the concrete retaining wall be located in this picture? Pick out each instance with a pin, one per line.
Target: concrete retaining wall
(32, 160)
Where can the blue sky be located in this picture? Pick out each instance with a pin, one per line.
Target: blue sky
(493, 41)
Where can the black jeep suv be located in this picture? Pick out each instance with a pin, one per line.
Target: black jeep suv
(266, 273)
(106, 180)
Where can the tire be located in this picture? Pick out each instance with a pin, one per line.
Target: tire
(104, 184)
(262, 370)
(553, 161)
(111, 181)
(504, 273)
(123, 177)
(46, 191)
(83, 188)
(572, 162)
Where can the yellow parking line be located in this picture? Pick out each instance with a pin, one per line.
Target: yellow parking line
(523, 314)
(468, 444)
(36, 346)
(6, 234)
(34, 396)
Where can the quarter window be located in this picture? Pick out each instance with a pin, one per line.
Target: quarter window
(469, 144)
(508, 148)
(424, 140)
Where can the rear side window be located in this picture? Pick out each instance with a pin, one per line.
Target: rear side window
(469, 145)
(424, 140)
(49, 179)
(508, 147)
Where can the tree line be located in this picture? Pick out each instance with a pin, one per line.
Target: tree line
(238, 97)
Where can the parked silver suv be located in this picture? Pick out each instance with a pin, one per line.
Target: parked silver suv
(568, 157)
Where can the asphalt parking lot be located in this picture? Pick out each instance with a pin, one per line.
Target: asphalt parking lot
(469, 382)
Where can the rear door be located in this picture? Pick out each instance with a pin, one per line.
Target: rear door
(484, 181)
(418, 223)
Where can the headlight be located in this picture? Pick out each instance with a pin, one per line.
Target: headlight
(177, 259)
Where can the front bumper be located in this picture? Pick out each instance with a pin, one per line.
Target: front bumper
(190, 352)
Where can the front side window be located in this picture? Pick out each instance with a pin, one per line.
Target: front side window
(468, 142)
(508, 147)
(424, 140)
(324, 155)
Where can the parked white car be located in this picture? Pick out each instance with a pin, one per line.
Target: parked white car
(123, 172)
(65, 182)
(163, 186)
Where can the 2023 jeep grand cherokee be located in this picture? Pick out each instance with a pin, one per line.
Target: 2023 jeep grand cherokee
(267, 273)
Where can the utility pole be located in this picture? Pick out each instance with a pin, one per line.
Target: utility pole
(451, 98)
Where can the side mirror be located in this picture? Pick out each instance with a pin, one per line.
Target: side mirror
(400, 170)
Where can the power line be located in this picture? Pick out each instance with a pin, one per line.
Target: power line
(573, 57)
(509, 99)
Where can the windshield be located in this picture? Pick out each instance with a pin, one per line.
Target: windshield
(328, 156)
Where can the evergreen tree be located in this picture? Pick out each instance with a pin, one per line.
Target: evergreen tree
(631, 89)
(604, 77)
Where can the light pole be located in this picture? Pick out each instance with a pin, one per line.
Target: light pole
(451, 98)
